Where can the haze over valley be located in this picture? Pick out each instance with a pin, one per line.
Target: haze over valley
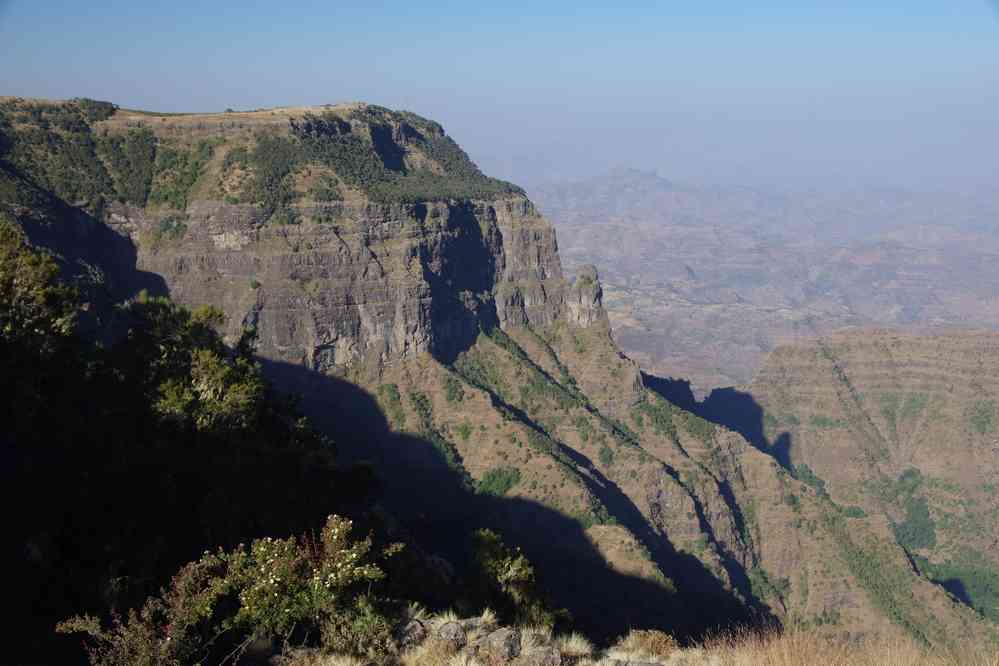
(703, 282)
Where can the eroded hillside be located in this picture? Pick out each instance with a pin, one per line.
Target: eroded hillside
(421, 311)
(904, 428)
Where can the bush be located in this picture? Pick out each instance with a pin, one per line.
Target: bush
(453, 390)
(805, 474)
(508, 582)
(918, 530)
(176, 172)
(132, 158)
(275, 588)
(498, 481)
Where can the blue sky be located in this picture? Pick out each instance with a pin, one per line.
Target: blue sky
(782, 94)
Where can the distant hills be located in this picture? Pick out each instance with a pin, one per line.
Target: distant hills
(702, 283)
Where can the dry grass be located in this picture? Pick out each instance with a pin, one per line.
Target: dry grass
(644, 645)
(432, 652)
(317, 659)
(575, 646)
(803, 648)
(740, 648)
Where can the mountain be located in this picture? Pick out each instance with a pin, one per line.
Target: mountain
(703, 283)
(420, 310)
(904, 427)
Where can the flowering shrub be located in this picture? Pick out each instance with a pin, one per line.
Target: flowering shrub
(275, 588)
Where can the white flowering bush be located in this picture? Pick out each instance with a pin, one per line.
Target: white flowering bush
(311, 586)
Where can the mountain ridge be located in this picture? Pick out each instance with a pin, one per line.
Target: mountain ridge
(437, 335)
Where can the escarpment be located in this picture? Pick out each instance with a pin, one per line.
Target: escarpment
(422, 310)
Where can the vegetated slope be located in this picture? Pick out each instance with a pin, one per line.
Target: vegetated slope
(904, 428)
(420, 309)
(702, 283)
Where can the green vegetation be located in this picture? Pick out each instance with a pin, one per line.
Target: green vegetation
(805, 474)
(176, 172)
(973, 578)
(853, 512)
(372, 161)
(277, 588)
(170, 228)
(132, 158)
(606, 456)
(917, 531)
(163, 420)
(273, 160)
(391, 402)
(498, 481)
(95, 110)
(982, 416)
(453, 391)
(762, 587)
(449, 452)
(885, 582)
(914, 405)
(52, 146)
(824, 422)
(326, 189)
(700, 428)
(660, 415)
(507, 581)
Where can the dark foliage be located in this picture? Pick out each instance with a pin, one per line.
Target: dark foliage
(53, 147)
(372, 160)
(132, 157)
(96, 110)
(140, 454)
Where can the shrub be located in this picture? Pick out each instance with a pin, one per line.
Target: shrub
(981, 416)
(132, 158)
(805, 474)
(917, 531)
(453, 390)
(218, 605)
(508, 583)
(498, 481)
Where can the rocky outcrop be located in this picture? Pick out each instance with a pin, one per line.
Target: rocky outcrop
(377, 284)
(584, 303)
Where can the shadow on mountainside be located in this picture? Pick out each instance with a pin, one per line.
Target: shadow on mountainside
(728, 407)
(289, 494)
(430, 498)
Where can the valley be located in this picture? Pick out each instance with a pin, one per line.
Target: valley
(703, 283)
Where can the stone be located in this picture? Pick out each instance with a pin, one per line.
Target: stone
(502, 644)
(412, 634)
(453, 633)
(544, 656)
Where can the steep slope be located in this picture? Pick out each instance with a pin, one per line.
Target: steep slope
(903, 427)
(420, 309)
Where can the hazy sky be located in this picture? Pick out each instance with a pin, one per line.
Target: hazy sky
(790, 94)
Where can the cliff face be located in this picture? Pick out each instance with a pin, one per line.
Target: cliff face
(362, 244)
(377, 284)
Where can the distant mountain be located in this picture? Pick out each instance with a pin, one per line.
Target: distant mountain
(702, 283)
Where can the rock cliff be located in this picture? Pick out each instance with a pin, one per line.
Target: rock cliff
(421, 308)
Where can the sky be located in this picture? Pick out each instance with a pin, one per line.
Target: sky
(787, 95)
